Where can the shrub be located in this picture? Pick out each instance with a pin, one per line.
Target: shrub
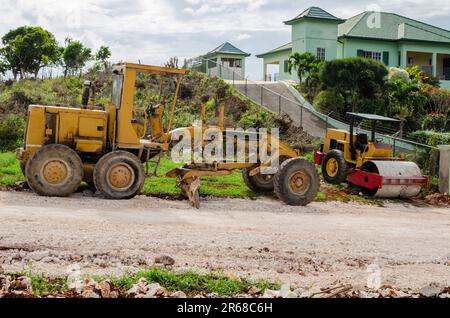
(329, 101)
(416, 74)
(11, 132)
(431, 138)
(434, 121)
(438, 99)
(398, 74)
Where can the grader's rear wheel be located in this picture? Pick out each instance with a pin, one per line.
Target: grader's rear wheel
(119, 175)
(259, 182)
(54, 170)
(297, 182)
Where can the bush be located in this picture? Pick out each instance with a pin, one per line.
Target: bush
(435, 122)
(398, 74)
(438, 99)
(329, 101)
(431, 138)
(11, 133)
(416, 74)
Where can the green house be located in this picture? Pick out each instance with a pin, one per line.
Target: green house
(225, 61)
(395, 40)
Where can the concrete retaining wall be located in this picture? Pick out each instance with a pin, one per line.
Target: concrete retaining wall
(444, 169)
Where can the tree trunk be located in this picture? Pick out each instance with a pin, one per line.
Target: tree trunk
(402, 124)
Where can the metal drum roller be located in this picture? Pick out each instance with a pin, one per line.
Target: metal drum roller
(399, 179)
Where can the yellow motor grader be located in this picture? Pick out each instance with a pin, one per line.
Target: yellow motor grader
(107, 147)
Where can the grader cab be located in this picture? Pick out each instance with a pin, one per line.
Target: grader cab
(107, 147)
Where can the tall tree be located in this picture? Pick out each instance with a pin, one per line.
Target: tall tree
(405, 101)
(74, 57)
(102, 55)
(27, 49)
(359, 81)
(303, 63)
(3, 67)
(172, 62)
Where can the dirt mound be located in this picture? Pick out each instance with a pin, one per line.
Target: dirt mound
(437, 199)
(295, 136)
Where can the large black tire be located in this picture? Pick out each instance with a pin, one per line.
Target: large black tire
(334, 167)
(259, 182)
(119, 175)
(54, 170)
(297, 182)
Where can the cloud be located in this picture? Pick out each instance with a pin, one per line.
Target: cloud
(152, 31)
(243, 37)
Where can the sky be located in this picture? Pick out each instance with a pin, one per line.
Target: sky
(152, 31)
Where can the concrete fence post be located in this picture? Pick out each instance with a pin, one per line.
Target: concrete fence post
(444, 169)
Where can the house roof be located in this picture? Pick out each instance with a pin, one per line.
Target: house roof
(278, 49)
(227, 48)
(314, 13)
(392, 27)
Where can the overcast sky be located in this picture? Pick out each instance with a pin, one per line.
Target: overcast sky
(154, 30)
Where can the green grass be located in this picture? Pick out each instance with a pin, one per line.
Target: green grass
(189, 282)
(10, 172)
(42, 285)
(231, 186)
(192, 283)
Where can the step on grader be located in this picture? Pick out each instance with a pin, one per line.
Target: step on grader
(107, 147)
(367, 162)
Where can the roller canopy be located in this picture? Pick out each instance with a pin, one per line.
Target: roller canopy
(371, 117)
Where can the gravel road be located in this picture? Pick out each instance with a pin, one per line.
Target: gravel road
(308, 246)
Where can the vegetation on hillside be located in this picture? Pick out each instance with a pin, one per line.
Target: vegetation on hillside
(367, 86)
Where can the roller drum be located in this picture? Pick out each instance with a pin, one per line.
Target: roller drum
(393, 169)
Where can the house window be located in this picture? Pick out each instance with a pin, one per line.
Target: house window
(321, 53)
(212, 63)
(286, 66)
(410, 60)
(232, 62)
(372, 55)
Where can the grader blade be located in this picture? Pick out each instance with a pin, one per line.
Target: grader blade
(191, 188)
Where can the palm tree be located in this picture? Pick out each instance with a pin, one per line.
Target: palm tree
(303, 63)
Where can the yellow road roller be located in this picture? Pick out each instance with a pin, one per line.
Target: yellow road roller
(367, 162)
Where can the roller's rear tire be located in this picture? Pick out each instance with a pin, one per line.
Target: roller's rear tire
(54, 170)
(259, 182)
(334, 167)
(119, 175)
(297, 182)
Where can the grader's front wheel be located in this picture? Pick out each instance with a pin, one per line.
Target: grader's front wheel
(297, 182)
(119, 175)
(54, 170)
